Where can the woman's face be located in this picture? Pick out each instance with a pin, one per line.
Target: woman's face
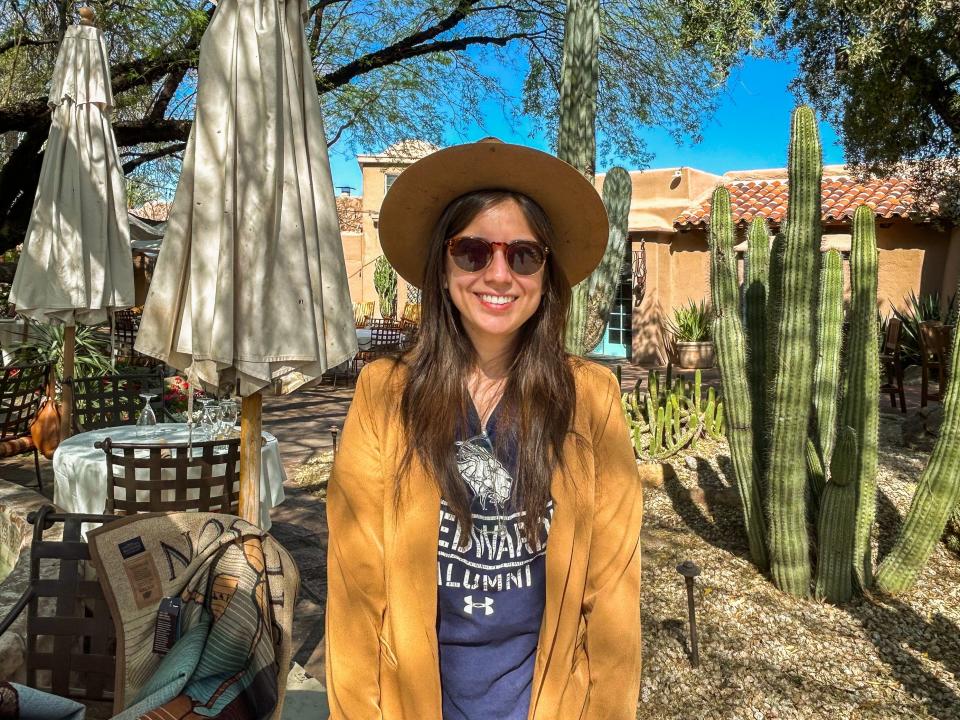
(495, 302)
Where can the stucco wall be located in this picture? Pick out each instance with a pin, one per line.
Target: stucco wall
(362, 252)
(912, 257)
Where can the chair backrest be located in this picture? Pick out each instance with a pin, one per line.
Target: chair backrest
(891, 341)
(111, 400)
(71, 640)
(126, 323)
(411, 312)
(362, 313)
(172, 477)
(21, 392)
(385, 335)
(932, 345)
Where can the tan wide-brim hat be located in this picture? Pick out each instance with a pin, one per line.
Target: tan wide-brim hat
(422, 192)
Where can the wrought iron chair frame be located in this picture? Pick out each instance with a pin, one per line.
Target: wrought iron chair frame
(81, 627)
(22, 389)
(117, 397)
(180, 458)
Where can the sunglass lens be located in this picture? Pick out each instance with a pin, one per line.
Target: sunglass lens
(525, 258)
(471, 254)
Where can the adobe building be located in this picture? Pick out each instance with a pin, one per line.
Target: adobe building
(668, 262)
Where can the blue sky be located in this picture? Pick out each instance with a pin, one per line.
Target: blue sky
(749, 129)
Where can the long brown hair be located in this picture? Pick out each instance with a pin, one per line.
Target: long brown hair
(538, 398)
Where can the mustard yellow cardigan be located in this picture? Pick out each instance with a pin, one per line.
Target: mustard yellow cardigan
(381, 639)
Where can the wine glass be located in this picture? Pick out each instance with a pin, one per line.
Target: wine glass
(147, 419)
(228, 416)
(210, 419)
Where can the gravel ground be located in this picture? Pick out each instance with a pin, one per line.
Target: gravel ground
(767, 655)
(764, 654)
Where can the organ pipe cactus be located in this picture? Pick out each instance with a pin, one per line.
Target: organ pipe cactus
(936, 496)
(826, 377)
(837, 523)
(860, 407)
(793, 380)
(729, 341)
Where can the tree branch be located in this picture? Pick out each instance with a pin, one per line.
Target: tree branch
(23, 41)
(138, 132)
(166, 93)
(399, 52)
(148, 157)
(379, 58)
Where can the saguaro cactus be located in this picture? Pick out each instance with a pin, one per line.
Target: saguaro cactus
(601, 286)
(936, 496)
(860, 407)
(793, 381)
(579, 80)
(837, 523)
(577, 141)
(729, 341)
(826, 378)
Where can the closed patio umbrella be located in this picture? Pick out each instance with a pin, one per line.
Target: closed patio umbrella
(76, 264)
(250, 284)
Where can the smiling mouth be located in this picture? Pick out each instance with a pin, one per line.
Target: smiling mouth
(498, 300)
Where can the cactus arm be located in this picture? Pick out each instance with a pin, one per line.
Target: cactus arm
(603, 282)
(818, 476)
(936, 496)
(837, 523)
(793, 381)
(860, 408)
(729, 341)
(826, 378)
(755, 329)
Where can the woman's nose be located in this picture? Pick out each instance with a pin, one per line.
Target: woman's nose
(499, 269)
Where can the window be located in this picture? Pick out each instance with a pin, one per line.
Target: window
(389, 177)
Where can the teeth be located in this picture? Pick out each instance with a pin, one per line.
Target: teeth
(497, 299)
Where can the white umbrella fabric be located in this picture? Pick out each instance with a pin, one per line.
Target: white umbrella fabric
(250, 285)
(76, 264)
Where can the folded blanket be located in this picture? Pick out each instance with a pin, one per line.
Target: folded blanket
(237, 587)
(18, 702)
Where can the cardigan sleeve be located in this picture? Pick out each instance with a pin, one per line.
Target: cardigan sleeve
(356, 593)
(612, 599)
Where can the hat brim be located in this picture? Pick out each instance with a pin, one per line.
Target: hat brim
(420, 194)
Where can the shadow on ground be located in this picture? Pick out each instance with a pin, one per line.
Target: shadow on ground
(712, 495)
(899, 635)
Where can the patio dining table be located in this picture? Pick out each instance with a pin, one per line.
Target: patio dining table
(80, 469)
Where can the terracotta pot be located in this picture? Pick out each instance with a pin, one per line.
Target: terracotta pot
(693, 355)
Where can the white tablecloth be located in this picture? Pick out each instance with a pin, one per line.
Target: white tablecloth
(80, 469)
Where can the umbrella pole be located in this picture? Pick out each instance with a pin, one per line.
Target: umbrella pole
(69, 351)
(250, 458)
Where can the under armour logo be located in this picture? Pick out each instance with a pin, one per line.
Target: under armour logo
(469, 605)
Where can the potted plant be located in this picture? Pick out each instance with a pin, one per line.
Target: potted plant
(690, 328)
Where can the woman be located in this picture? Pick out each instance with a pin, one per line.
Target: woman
(484, 509)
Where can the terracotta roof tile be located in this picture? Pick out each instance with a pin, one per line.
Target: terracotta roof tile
(888, 197)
